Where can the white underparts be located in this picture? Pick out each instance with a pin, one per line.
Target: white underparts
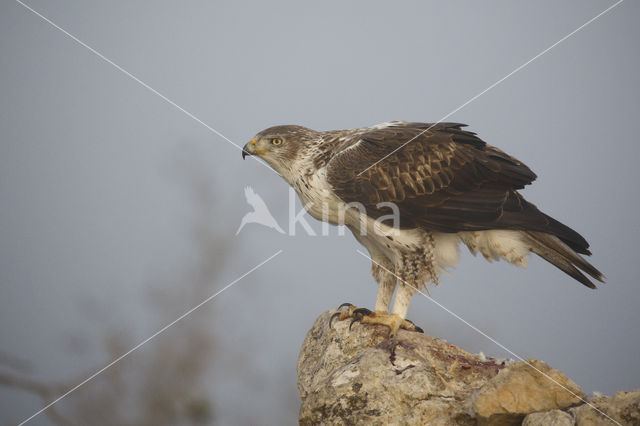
(437, 251)
(441, 250)
(492, 244)
(498, 244)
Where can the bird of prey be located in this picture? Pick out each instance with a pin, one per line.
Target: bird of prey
(446, 185)
(260, 213)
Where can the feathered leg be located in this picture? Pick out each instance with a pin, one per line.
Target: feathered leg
(403, 298)
(381, 316)
(386, 286)
(396, 319)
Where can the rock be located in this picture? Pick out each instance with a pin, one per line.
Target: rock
(623, 407)
(549, 418)
(524, 387)
(363, 377)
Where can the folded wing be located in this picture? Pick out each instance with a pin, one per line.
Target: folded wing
(449, 180)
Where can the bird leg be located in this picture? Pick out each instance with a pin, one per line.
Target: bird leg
(396, 320)
(403, 298)
(365, 316)
(386, 285)
(393, 321)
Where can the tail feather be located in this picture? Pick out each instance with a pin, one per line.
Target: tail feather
(568, 236)
(559, 254)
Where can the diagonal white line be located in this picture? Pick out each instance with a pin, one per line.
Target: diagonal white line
(163, 329)
(496, 83)
(490, 338)
(133, 77)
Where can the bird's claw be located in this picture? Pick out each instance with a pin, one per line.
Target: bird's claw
(342, 314)
(358, 314)
(361, 312)
(415, 327)
(366, 316)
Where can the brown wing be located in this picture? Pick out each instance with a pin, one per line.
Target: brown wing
(446, 179)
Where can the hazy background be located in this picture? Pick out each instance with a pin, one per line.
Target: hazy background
(118, 212)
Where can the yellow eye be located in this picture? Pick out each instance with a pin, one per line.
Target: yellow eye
(276, 141)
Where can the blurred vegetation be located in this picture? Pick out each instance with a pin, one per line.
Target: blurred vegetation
(169, 380)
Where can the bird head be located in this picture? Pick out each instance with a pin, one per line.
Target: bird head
(278, 145)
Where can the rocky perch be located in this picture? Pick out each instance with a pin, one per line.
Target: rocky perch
(363, 377)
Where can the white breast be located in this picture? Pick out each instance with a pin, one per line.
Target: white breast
(318, 198)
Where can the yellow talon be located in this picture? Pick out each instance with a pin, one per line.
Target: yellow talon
(392, 321)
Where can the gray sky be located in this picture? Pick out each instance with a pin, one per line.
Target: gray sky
(94, 210)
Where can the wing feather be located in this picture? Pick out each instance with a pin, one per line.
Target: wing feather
(446, 179)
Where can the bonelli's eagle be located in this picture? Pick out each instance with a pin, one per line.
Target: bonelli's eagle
(410, 193)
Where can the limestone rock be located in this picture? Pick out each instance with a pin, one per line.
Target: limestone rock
(363, 377)
(549, 418)
(524, 387)
(623, 407)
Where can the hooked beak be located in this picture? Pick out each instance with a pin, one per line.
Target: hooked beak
(249, 148)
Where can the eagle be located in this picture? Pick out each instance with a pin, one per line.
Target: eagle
(411, 193)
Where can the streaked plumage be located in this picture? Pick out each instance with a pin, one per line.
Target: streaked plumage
(449, 187)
